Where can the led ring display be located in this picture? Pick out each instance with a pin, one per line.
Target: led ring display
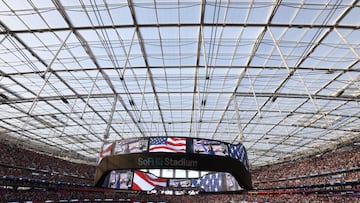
(124, 160)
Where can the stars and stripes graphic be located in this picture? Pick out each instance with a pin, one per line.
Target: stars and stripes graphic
(164, 144)
(238, 152)
(212, 182)
(146, 181)
(106, 150)
(235, 151)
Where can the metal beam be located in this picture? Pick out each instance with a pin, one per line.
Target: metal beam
(151, 25)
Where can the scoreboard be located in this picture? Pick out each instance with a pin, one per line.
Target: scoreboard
(123, 164)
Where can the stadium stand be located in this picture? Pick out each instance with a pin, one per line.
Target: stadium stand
(19, 162)
(30, 176)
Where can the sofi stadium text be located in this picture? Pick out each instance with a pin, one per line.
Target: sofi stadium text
(165, 161)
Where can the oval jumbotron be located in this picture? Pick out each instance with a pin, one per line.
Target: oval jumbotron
(132, 156)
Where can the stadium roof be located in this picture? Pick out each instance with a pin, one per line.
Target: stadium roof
(282, 77)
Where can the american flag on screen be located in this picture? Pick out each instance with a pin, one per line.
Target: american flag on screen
(106, 150)
(212, 182)
(145, 181)
(170, 144)
(238, 152)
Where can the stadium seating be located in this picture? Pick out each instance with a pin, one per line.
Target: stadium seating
(330, 177)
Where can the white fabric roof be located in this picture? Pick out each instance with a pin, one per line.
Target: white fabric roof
(282, 77)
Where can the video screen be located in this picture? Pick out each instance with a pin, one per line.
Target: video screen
(167, 144)
(210, 147)
(126, 173)
(120, 179)
(175, 145)
(231, 183)
(130, 146)
(147, 181)
(106, 150)
(180, 183)
(239, 152)
(142, 181)
(216, 182)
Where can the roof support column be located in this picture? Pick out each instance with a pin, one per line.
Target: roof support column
(107, 130)
(236, 107)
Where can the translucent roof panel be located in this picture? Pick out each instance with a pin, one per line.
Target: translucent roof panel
(281, 77)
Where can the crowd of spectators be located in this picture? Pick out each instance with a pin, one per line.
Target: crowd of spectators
(60, 195)
(20, 162)
(38, 195)
(340, 166)
(284, 182)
